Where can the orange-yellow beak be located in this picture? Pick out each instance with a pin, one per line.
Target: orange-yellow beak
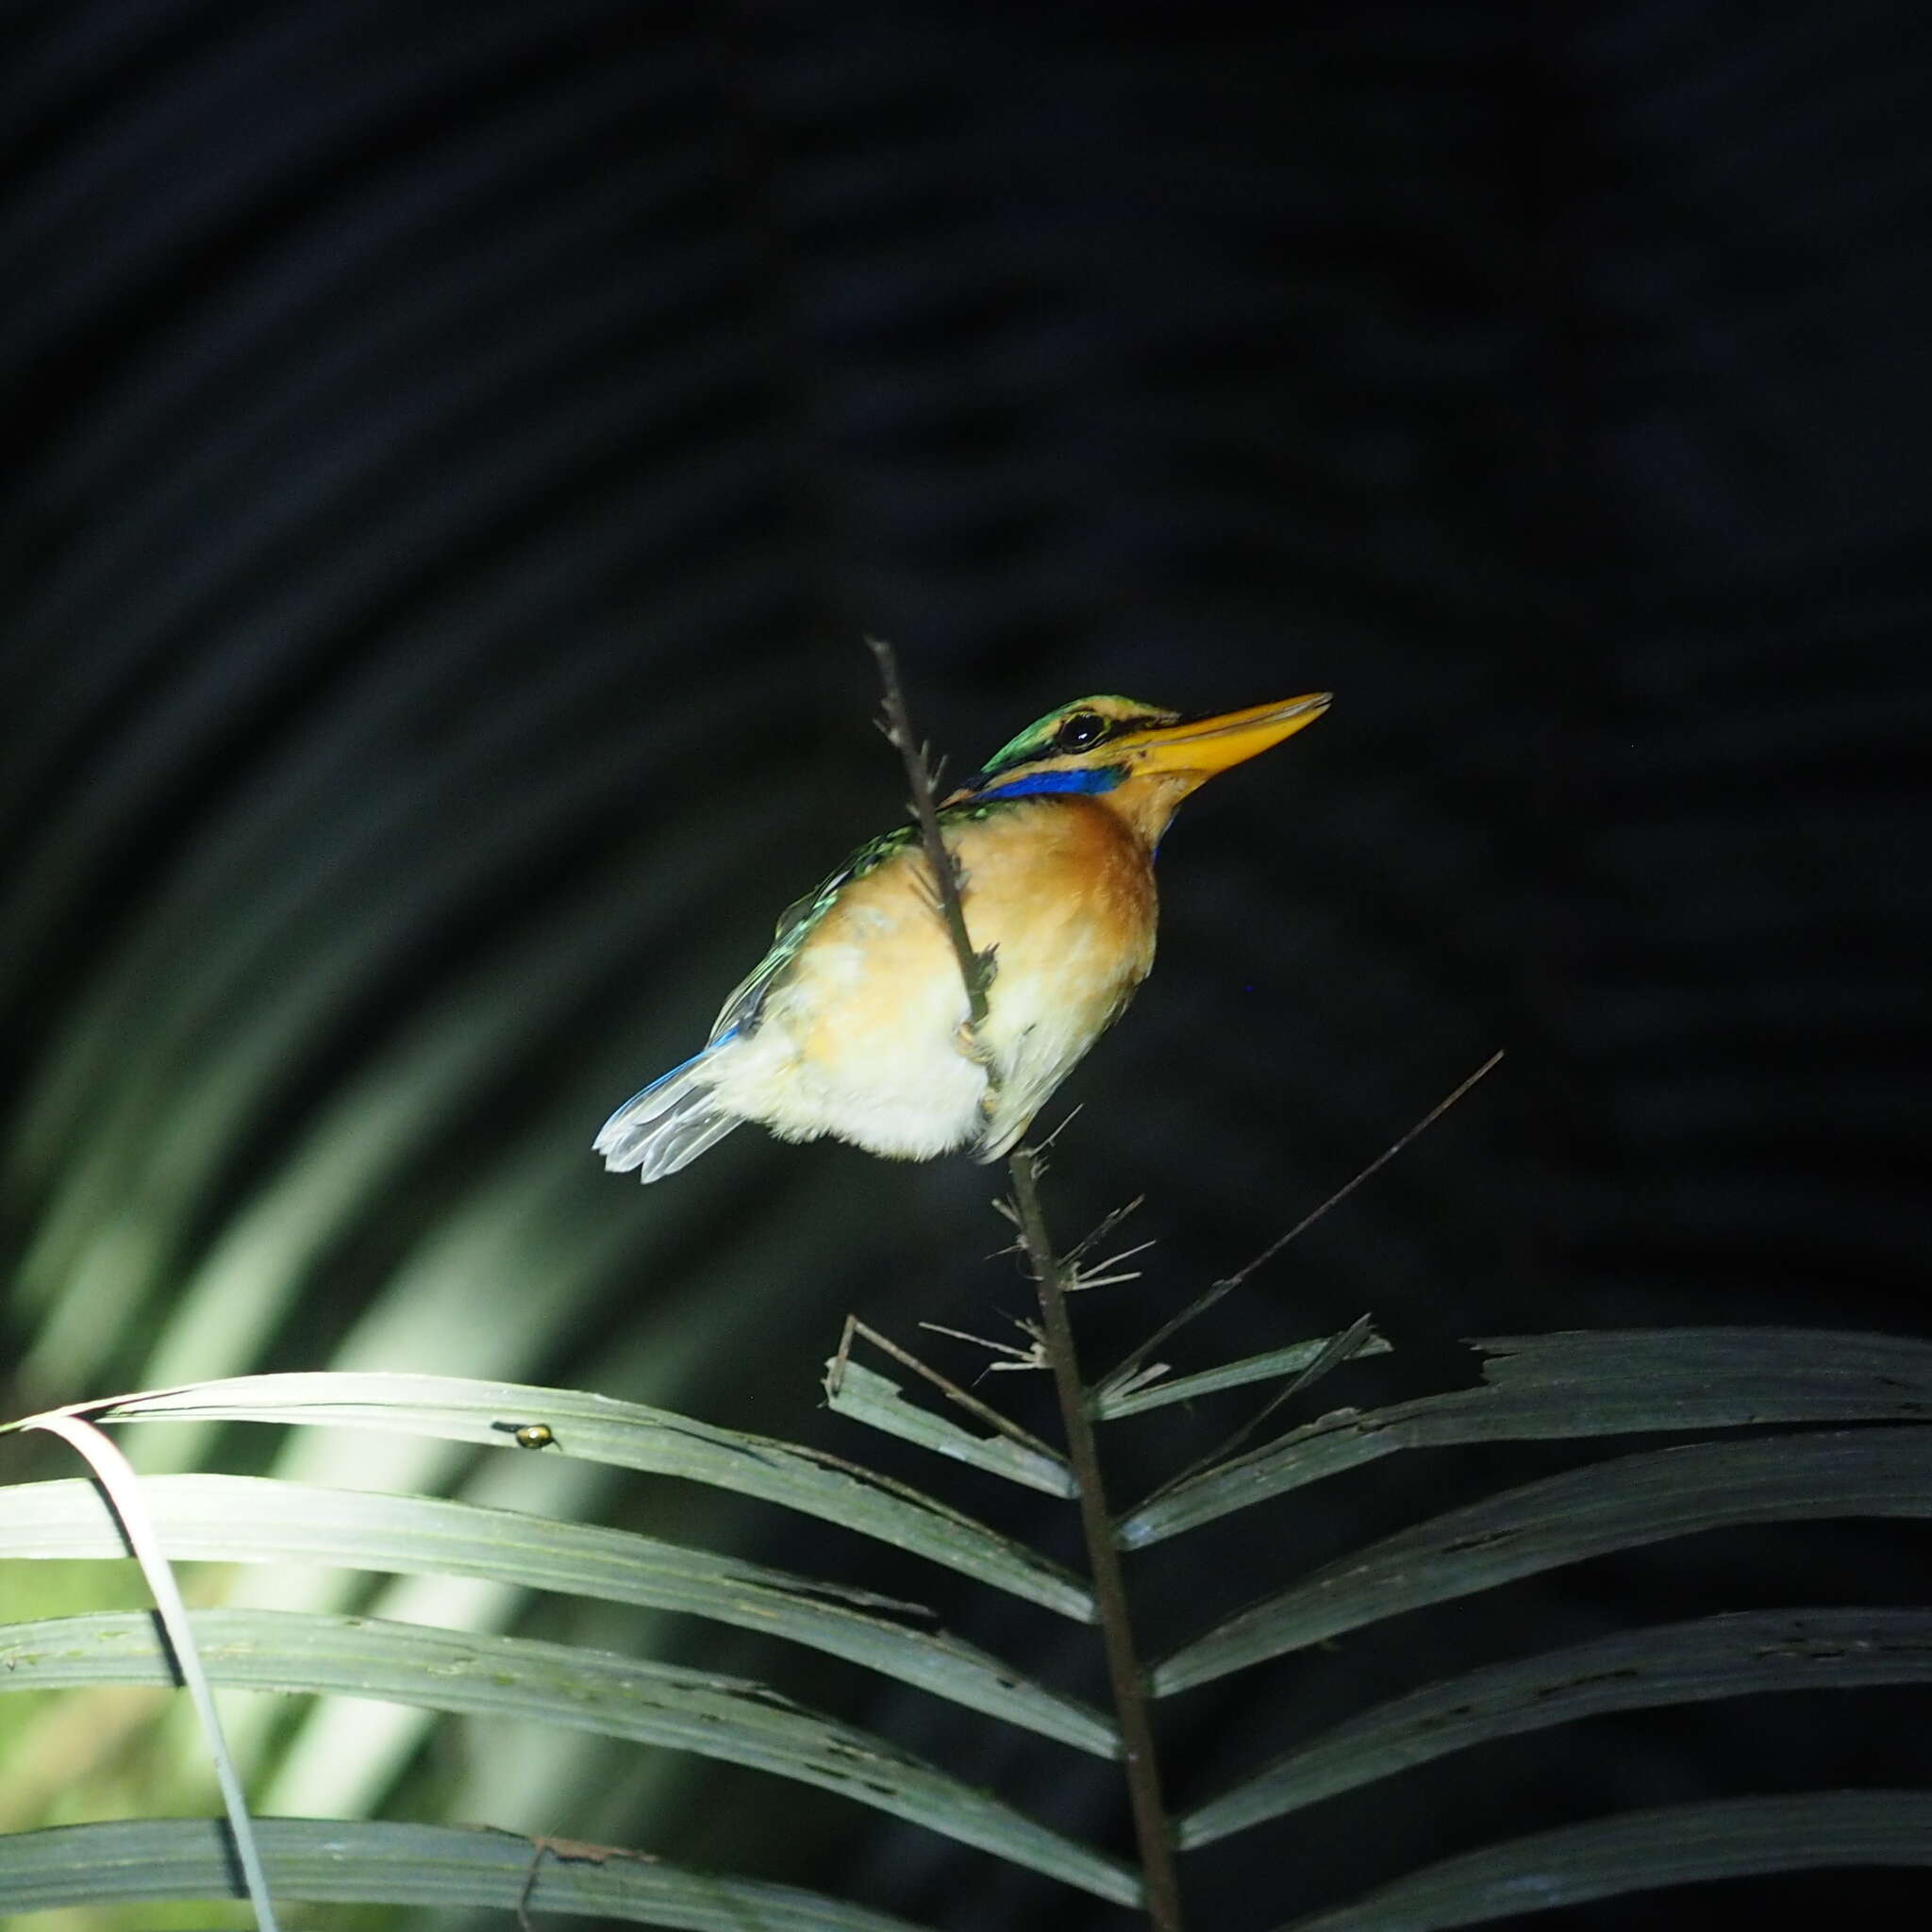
(1205, 745)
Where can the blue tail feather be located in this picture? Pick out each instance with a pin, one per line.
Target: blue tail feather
(669, 1124)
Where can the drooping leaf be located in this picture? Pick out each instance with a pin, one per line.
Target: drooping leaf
(1728, 1656)
(1600, 1383)
(627, 1435)
(483, 1676)
(1637, 1851)
(122, 1489)
(1584, 1512)
(242, 1519)
(428, 1865)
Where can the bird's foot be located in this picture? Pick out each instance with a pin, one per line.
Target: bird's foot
(968, 1043)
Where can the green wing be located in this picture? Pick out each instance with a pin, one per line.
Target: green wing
(740, 1012)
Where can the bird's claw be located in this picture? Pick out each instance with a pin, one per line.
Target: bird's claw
(967, 1042)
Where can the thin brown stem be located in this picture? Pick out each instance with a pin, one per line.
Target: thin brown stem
(1130, 1366)
(948, 1387)
(1152, 1832)
(1338, 1350)
(945, 874)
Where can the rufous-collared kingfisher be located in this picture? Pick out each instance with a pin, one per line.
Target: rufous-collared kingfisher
(854, 1025)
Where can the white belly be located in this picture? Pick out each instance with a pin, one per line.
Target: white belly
(863, 1036)
(897, 1083)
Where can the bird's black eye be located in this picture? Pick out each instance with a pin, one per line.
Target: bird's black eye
(1084, 729)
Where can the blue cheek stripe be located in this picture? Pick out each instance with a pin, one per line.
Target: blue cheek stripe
(1092, 778)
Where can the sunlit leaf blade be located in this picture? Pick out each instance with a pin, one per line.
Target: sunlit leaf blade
(1606, 1506)
(628, 1436)
(1730, 1655)
(1605, 1383)
(1637, 1851)
(483, 1676)
(429, 1865)
(866, 1396)
(1277, 1363)
(244, 1519)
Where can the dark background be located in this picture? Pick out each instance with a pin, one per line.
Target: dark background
(452, 455)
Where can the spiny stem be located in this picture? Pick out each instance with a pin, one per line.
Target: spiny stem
(1152, 1831)
(898, 727)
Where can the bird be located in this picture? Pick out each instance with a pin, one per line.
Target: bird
(856, 1024)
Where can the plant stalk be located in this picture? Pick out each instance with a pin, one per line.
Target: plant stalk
(1153, 1831)
(946, 872)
